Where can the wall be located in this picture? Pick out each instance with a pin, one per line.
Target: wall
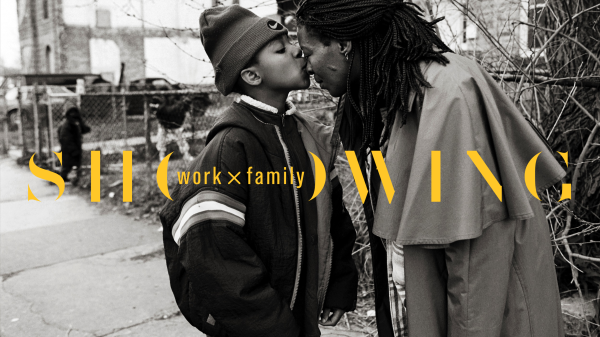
(47, 35)
(171, 47)
(180, 59)
(75, 56)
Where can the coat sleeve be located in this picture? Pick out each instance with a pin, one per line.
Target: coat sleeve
(478, 280)
(84, 128)
(223, 269)
(343, 282)
(68, 144)
(234, 282)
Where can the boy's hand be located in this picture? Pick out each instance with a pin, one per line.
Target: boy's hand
(329, 318)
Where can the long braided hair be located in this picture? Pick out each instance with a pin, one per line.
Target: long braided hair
(392, 38)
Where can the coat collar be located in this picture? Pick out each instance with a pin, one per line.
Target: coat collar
(291, 108)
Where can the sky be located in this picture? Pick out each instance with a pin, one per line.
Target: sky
(10, 52)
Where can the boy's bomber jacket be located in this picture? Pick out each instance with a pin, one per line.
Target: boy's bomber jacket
(237, 251)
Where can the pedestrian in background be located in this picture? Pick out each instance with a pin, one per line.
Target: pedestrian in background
(171, 113)
(70, 136)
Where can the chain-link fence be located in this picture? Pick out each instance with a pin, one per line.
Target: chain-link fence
(151, 124)
(40, 111)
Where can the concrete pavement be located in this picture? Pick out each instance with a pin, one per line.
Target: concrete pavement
(70, 269)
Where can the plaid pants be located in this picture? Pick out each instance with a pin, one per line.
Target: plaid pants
(167, 135)
(395, 269)
(396, 287)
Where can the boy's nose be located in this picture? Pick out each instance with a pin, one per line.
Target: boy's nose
(297, 52)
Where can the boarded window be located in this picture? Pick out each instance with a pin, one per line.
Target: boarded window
(45, 8)
(103, 18)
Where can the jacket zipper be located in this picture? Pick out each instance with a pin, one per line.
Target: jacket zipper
(295, 190)
(296, 199)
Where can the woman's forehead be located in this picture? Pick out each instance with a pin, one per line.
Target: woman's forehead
(306, 40)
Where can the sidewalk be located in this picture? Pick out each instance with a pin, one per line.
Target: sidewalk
(68, 269)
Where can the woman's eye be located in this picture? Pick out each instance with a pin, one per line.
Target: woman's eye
(281, 51)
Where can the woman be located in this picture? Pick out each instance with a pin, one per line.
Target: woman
(470, 250)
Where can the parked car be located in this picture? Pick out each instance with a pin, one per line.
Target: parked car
(199, 101)
(55, 84)
(10, 109)
(153, 84)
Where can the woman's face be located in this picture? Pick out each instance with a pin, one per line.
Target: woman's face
(326, 62)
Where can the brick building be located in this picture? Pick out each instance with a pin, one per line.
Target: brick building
(153, 38)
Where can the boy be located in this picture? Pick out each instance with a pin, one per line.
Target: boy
(249, 252)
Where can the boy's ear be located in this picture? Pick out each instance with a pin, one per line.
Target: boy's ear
(250, 76)
(345, 47)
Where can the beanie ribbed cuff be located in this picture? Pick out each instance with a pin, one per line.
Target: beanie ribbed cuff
(241, 51)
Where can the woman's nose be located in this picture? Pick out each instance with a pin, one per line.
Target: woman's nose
(309, 68)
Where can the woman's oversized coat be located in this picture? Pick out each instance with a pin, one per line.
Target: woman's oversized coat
(475, 264)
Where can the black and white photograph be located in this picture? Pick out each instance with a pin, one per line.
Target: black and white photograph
(300, 168)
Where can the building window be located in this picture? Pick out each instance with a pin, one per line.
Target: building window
(49, 60)
(103, 18)
(45, 8)
(537, 13)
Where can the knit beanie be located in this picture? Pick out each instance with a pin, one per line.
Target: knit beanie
(231, 35)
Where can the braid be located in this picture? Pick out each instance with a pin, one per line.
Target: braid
(392, 38)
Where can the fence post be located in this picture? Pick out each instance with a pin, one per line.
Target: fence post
(51, 134)
(5, 145)
(36, 121)
(191, 119)
(113, 101)
(147, 133)
(45, 129)
(21, 126)
(124, 111)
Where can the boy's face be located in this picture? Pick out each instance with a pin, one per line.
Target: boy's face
(281, 66)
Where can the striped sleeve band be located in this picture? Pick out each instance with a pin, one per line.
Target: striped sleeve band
(208, 205)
